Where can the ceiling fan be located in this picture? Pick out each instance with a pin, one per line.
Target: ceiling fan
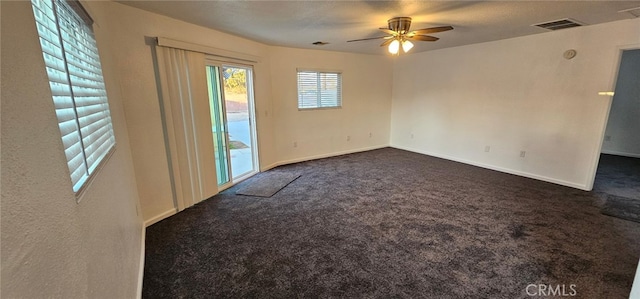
(399, 35)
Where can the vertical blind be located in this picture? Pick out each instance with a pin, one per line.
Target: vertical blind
(75, 77)
(319, 89)
(187, 124)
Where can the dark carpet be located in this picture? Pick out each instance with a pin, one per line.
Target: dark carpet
(618, 176)
(622, 207)
(617, 185)
(268, 183)
(392, 224)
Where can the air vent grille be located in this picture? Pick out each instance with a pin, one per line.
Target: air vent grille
(559, 24)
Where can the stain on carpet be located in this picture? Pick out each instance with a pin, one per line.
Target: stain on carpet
(518, 231)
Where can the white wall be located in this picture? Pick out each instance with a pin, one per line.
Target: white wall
(513, 95)
(367, 93)
(364, 116)
(132, 31)
(623, 127)
(53, 247)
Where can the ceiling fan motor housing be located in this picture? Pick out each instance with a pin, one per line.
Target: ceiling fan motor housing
(400, 24)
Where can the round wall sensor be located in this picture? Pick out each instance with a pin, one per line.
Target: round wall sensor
(568, 54)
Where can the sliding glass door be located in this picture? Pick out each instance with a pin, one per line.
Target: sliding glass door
(233, 121)
(218, 125)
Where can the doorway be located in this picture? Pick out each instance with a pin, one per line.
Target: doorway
(232, 111)
(618, 171)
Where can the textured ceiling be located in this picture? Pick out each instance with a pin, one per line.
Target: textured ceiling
(300, 23)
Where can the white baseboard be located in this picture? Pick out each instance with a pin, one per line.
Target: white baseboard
(631, 155)
(497, 168)
(274, 165)
(172, 212)
(635, 289)
(141, 266)
(322, 156)
(157, 218)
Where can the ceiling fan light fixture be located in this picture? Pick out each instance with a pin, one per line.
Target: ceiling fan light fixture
(399, 24)
(399, 34)
(394, 47)
(406, 46)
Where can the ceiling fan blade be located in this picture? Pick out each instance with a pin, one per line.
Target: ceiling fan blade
(387, 42)
(371, 38)
(431, 30)
(385, 30)
(424, 38)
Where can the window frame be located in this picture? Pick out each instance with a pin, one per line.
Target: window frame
(73, 66)
(319, 72)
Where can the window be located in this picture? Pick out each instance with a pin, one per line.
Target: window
(319, 89)
(75, 77)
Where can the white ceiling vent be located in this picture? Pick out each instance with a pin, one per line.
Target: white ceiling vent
(559, 24)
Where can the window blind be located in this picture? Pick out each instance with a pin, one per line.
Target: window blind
(319, 89)
(77, 86)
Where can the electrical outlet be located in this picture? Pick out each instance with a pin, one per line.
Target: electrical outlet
(607, 138)
(370, 135)
(348, 138)
(487, 149)
(411, 135)
(295, 144)
(522, 154)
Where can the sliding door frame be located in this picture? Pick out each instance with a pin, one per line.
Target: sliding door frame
(218, 68)
(253, 132)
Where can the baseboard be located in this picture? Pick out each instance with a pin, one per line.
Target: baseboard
(172, 212)
(635, 288)
(630, 155)
(160, 217)
(497, 168)
(141, 266)
(328, 155)
(274, 165)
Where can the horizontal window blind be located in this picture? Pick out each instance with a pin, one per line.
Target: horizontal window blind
(319, 89)
(77, 86)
